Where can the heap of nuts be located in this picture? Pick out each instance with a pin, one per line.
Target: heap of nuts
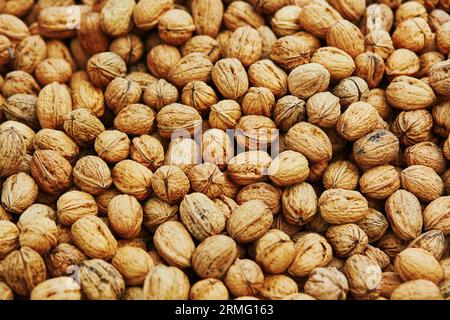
(220, 149)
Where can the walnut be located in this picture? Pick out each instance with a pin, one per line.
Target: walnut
(347, 239)
(50, 139)
(347, 37)
(290, 52)
(166, 236)
(201, 216)
(436, 215)
(258, 101)
(416, 263)
(377, 98)
(148, 151)
(327, 284)
(239, 14)
(19, 192)
(91, 35)
(274, 251)
(93, 237)
(53, 70)
(299, 203)
(412, 126)
(92, 175)
(213, 256)
(112, 146)
(317, 18)
(423, 182)
(29, 53)
(19, 82)
(311, 251)
(244, 278)
(440, 77)
(116, 17)
(404, 214)
(9, 239)
(86, 96)
(33, 211)
(170, 183)
(416, 290)
(23, 270)
(125, 216)
(413, 34)
(161, 59)
(289, 168)
(183, 152)
(53, 105)
(147, 13)
(230, 78)
(176, 116)
(285, 21)
(100, 280)
(61, 288)
(121, 92)
(166, 283)
(249, 167)
(341, 175)
(132, 178)
(379, 41)
(249, 221)
(376, 148)
(159, 94)
(225, 114)
(402, 62)
(314, 78)
(370, 67)
(209, 289)
(135, 119)
(133, 264)
(288, 111)
(203, 44)
(130, 48)
(377, 17)
(351, 10)
(339, 206)
(51, 171)
(83, 127)
(309, 140)
(22, 108)
(104, 67)
(432, 241)
(364, 277)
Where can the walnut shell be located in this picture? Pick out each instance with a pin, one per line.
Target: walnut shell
(194, 66)
(274, 251)
(309, 140)
(339, 206)
(125, 216)
(122, 92)
(132, 178)
(440, 77)
(338, 63)
(225, 114)
(230, 78)
(147, 13)
(364, 277)
(404, 214)
(380, 182)
(249, 167)
(74, 205)
(104, 67)
(341, 175)
(170, 183)
(61, 288)
(308, 79)
(347, 37)
(299, 203)
(82, 126)
(148, 151)
(415, 94)
(217, 147)
(19, 192)
(135, 119)
(174, 244)
(265, 73)
(432, 241)
(311, 251)
(53, 70)
(61, 259)
(327, 284)
(91, 35)
(23, 270)
(116, 17)
(213, 256)
(51, 171)
(86, 96)
(427, 154)
(244, 278)
(166, 283)
(177, 117)
(437, 214)
(92, 175)
(133, 264)
(347, 239)
(112, 146)
(416, 263)
(323, 109)
(258, 101)
(31, 51)
(288, 111)
(53, 105)
(423, 182)
(50, 139)
(374, 224)
(376, 148)
(317, 18)
(9, 239)
(416, 290)
(209, 289)
(93, 237)
(100, 280)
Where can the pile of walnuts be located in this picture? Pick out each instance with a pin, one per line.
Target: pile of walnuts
(120, 178)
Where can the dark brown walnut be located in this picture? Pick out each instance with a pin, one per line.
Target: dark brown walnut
(52, 172)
